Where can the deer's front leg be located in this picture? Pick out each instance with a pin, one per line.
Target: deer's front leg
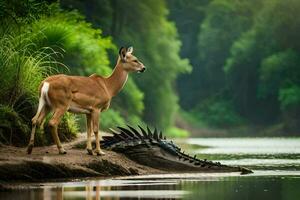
(95, 121)
(89, 130)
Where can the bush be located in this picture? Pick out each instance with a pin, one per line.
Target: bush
(67, 129)
(175, 132)
(289, 97)
(13, 129)
(218, 113)
(83, 48)
(111, 119)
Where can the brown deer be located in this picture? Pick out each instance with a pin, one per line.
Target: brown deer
(82, 95)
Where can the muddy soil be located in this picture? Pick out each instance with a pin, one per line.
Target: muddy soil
(46, 164)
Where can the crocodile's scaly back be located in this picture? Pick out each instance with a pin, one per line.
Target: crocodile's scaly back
(151, 148)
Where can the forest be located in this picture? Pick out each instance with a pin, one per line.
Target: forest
(211, 64)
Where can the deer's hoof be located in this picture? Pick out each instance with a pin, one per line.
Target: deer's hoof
(99, 153)
(89, 151)
(62, 151)
(29, 148)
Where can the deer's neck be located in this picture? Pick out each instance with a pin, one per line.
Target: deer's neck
(116, 81)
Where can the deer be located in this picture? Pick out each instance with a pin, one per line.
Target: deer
(82, 95)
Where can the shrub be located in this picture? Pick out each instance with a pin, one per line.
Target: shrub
(111, 119)
(13, 129)
(289, 97)
(218, 113)
(67, 129)
(175, 132)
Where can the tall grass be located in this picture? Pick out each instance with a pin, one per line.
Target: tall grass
(21, 69)
(23, 65)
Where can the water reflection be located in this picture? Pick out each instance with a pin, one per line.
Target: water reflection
(261, 185)
(125, 189)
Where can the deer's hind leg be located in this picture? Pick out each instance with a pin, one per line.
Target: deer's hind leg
(53, 123)
(36, 122)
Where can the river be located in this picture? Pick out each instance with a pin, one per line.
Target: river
(275, 162)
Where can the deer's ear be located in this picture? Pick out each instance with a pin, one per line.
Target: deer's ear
(122, 53)
(129, 49)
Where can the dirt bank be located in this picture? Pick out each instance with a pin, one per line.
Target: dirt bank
(45, 164)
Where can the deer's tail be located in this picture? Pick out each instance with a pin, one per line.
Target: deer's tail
(44, 99)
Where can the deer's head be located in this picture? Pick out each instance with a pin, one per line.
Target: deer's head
(129, 61)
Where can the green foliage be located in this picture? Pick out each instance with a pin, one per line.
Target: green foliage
(21, 72)
(24, 63)
(22, 69)
(245, 55)
(290, 97)
(14, 12)
(158, 48)
(218, 113)
(224, 24)
(224, 21)
(67, 129)
(264, 61)
(192, 118)
(83, 48)
(130, 101)
(111, 119)
(175, 132)
(188, 15)
(13, 128)
(278, 71)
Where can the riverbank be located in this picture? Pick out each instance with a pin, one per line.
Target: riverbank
(46, 164)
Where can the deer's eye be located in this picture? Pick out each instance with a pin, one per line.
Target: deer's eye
(136, 61)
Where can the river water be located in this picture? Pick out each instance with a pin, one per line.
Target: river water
(275, 162)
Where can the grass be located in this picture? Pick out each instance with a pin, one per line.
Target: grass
(23, 66)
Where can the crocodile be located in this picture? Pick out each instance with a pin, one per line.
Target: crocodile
(151, 148)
